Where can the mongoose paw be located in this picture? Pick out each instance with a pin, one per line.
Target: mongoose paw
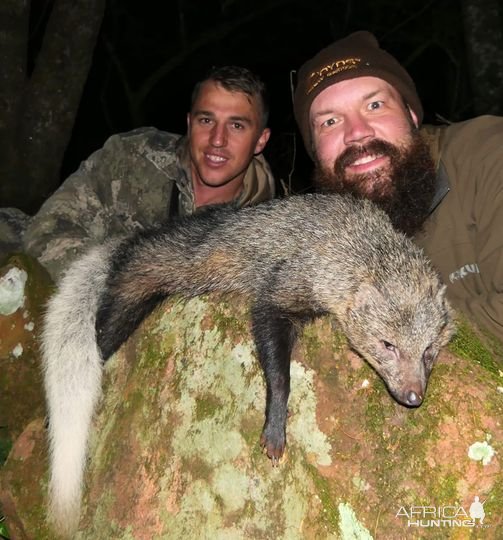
(273, 446)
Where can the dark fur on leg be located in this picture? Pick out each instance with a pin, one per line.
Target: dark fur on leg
(275, 333)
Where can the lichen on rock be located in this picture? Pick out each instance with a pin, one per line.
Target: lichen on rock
(174, 451)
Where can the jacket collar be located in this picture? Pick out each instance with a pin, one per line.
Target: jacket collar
(434, 136)
(442, 187)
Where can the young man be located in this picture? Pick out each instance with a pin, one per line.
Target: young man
(360, 117)
(140, 178)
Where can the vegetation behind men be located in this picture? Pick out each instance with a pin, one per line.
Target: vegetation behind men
(140, 178)
(360, 118)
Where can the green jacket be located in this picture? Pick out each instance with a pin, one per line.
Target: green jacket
(125, 186)
(464, 234)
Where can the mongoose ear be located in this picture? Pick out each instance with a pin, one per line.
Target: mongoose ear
(365, 293)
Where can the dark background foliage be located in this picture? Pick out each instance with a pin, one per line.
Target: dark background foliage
(148, 55)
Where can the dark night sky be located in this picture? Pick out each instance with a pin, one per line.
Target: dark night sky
(272, 37)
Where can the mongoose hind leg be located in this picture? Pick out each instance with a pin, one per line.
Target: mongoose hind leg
(274, 332)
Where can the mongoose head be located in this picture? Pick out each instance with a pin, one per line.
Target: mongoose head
(399, 330)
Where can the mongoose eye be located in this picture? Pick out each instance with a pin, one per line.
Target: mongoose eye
(429, 355)
(388, 345)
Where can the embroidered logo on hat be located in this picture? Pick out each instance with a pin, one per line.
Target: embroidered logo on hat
(317, 77)
(356, 55)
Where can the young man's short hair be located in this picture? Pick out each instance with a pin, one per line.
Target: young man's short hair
(237, 79)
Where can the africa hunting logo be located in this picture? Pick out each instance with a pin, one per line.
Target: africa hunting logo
(444, 516)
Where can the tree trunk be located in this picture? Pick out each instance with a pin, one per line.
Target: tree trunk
(484, 40)
(40, 107)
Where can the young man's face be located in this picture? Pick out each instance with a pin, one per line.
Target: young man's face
(224, 131)
(346, 120)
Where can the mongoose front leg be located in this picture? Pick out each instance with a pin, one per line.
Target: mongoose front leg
(274, 334)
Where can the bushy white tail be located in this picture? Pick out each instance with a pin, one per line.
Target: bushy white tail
(72, 376)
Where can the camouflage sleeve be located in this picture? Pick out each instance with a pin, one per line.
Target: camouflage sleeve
(124, 186)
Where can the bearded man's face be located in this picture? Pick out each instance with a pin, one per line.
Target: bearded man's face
(404, 188)
(366, 143)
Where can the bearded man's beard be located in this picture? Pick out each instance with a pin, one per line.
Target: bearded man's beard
(404, 189)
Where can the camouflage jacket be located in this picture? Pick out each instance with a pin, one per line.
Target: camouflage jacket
(463, 235)
(125, 186)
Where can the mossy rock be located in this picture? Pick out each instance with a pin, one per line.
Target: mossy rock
(21, 394)
(175, 453)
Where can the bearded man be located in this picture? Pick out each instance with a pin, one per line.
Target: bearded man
(360, 118)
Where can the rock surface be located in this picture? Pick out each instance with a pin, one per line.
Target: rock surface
(175, 451)
(24, 289)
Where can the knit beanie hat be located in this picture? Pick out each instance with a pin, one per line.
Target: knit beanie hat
(357, 55)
